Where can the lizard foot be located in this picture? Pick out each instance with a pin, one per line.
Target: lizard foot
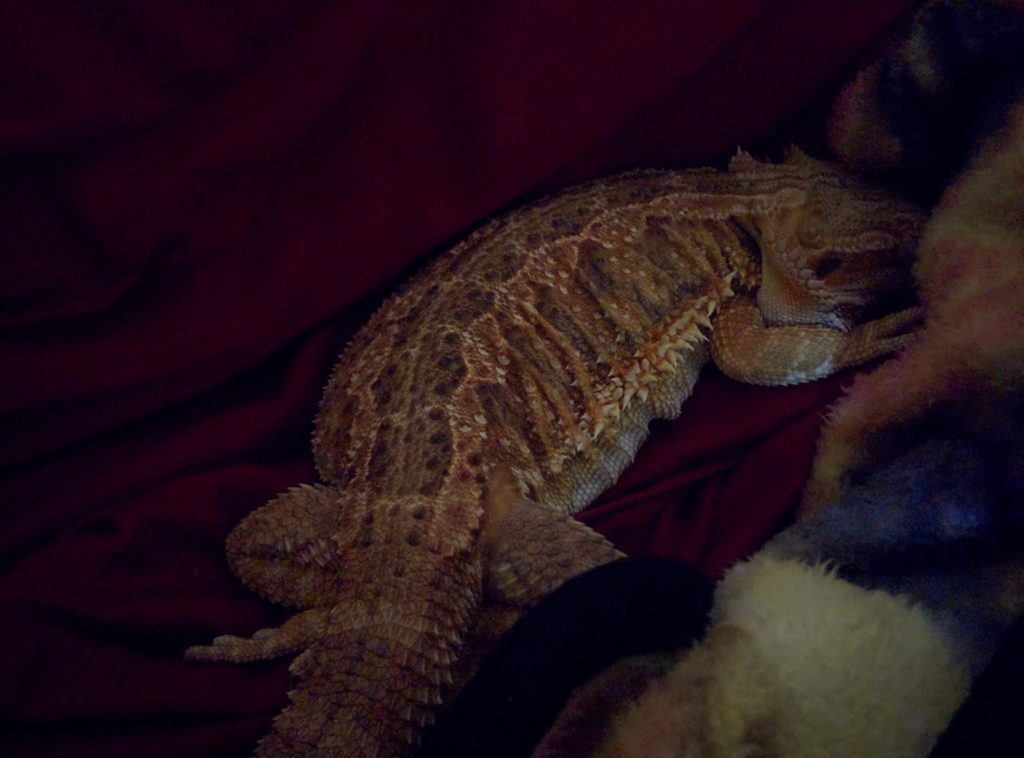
(881, 336)
(295, 634)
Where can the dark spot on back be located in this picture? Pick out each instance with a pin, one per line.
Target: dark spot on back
(503, 266)
(448, 371)
(474, 303)
(594, 260)
(550, 306)
(654, 309)
(382, 391)
(379, 462)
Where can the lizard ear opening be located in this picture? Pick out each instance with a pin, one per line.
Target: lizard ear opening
(826, 266)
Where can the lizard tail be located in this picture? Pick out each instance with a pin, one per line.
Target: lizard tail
(376, 673)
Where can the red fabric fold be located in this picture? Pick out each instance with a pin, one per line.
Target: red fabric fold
(199, 205)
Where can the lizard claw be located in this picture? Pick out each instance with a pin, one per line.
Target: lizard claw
(904, 322)
(881, 336)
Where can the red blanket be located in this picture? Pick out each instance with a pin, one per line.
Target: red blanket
(199, 206)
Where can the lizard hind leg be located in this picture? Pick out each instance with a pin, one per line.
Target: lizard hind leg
(385, 620)
(289, 550)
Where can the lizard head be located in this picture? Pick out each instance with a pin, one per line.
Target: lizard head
(834, 246)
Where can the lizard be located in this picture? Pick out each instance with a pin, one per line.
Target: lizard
(508, 384)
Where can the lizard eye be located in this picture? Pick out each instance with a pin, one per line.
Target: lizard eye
(826, 266)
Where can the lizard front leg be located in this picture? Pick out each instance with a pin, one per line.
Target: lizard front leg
(745, 348)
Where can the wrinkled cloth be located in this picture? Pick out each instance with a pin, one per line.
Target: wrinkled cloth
(198, 207)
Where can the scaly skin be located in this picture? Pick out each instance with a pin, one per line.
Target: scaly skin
(508, 385)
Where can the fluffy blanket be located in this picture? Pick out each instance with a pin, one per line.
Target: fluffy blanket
(200, 205)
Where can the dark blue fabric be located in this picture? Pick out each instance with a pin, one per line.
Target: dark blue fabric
(629, 607)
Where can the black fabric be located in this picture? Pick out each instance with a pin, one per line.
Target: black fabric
(628, 607)
(988, 724)
(973, 49)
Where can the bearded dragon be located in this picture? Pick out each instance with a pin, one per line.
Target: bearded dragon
(510, 383)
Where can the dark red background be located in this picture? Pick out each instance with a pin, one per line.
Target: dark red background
(199, 204)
